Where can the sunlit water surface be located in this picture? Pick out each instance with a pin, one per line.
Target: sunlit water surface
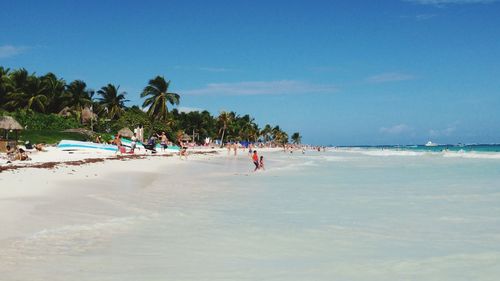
(319, 216)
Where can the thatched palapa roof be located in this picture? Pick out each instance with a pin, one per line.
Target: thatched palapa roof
(65, 112)
(87, 115)
(9, 123)
(126, 132)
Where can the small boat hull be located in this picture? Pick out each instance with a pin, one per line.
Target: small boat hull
(70, 145)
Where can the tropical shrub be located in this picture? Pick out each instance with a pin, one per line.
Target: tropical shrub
(38, 121)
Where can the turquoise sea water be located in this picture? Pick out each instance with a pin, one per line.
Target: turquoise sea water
(336, 215)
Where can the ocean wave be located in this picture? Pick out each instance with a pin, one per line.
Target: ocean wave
(471, 155)
(376, 152)
(451, 154)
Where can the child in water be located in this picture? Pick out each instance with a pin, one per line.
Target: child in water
(261, 163)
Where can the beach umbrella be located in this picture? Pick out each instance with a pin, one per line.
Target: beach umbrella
(126, 132)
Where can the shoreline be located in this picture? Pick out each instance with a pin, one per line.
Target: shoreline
(84, 157)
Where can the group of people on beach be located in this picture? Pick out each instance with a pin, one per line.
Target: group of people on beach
(149, 144)
(15, 153)
(257, 161)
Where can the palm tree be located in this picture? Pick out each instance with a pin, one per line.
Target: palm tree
(28, 92)
(4, 85)
(55, 92)
(157, 98)
(78, 96)
(15, 83)
(275, 132)
(112, 101)
(296, 138)
(281, 138)
(225, 118)
(247, 128)
(253, 132)
(171, 121)
(266, 132)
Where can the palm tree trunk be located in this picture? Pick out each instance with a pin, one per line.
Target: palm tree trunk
(222, 138)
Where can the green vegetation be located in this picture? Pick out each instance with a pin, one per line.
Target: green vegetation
(46, 105)
(38, 121)
(47, 136)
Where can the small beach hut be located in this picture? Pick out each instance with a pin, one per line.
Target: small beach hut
(8, 125)
(185, 137)
(87, 115)
(65, 112)
(126, 132)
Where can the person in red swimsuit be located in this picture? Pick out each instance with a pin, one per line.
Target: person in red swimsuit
(255, 159)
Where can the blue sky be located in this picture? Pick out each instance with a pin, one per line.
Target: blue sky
(339, 72)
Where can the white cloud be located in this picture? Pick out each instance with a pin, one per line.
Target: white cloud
(279, 87)
(396, 129)
(8, 51)
(448, 2)
(389, 77)
(186, 109)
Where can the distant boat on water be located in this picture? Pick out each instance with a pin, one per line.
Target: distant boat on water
(430, 143)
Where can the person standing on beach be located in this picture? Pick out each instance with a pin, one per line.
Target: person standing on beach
(163, 141)
(255, 159)
(118, 142)
(235, 148)
(183, 150)
(133, 143)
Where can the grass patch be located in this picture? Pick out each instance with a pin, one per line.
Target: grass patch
(49, 137)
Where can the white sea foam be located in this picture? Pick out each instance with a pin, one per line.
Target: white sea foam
(388, 152)
(393, 152)
(472, 155)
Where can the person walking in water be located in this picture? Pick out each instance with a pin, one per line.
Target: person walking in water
(255, 159)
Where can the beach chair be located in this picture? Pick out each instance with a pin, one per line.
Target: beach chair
(150, 147)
